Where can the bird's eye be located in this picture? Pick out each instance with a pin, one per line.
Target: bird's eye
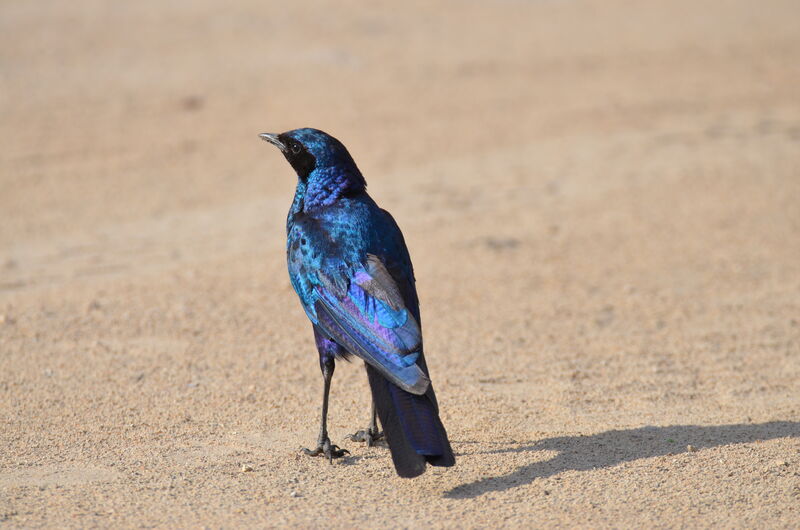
(295, 147)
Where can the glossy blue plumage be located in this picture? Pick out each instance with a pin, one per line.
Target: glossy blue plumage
(333, 228)
(351, 269)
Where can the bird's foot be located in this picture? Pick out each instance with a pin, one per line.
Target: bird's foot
(328, 450)
(370, 436)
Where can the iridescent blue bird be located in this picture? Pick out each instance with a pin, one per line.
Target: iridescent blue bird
(350, 267)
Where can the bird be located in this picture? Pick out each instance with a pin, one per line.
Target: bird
(350, 267)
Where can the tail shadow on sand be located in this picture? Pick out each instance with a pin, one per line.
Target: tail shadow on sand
(606, 449)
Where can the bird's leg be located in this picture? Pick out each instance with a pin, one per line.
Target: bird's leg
(324, 445)
(370, 435)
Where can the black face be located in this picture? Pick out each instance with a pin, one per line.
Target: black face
(298, 156)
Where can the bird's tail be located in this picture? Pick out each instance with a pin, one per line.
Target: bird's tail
(412, 427)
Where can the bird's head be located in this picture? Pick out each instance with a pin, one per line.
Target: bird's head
(322, 163)
(308, 150)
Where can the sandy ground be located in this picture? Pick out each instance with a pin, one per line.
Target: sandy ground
(602, 200)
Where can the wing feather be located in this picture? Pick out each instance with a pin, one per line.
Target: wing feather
(364, 312)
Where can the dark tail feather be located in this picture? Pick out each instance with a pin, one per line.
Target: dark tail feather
(411, 425)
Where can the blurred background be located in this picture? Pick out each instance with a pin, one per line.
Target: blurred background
(120, 111)
(602, 200)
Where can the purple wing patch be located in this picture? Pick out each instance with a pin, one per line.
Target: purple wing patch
(368, 318)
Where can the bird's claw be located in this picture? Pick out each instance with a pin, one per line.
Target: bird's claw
(369, 436)
(328, 450)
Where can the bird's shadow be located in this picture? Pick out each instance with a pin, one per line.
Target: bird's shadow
(606, 449)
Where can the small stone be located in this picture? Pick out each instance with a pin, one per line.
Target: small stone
(775, 464)
(294, 494)
(246, 468)
(691, 448)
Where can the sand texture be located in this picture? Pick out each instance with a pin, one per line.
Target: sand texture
(601, 198)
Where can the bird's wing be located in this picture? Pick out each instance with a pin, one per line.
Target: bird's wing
(362, 309)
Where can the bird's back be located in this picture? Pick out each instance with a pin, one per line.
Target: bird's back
(342, 235)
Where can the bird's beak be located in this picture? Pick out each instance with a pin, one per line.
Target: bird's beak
(274, 140)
